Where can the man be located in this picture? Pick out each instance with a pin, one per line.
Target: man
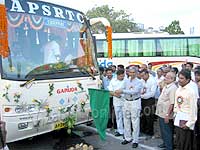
(106, 82)
(185, 109)
(117, 84)
(3, 133)
(189, 66)
(148, 103)
(150, 65)
(52, 50)
(197, 124)
(132, 108)
(164, 110)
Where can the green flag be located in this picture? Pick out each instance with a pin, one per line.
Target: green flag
(99, 103)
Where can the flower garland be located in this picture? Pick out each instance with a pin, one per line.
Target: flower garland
(4, 49)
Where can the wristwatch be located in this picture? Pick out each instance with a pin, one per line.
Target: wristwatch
(167, 115)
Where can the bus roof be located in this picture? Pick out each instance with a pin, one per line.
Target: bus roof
(141, 35)
(55, 2)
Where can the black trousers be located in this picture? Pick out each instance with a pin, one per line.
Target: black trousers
(147, 116)
(197, 128)
(184, 139)
(112, 118)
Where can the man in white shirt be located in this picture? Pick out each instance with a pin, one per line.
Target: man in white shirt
(52, 51)
(118, 102)
(132, 107)
(148, 103)
(185, 109)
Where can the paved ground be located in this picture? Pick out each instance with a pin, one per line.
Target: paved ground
(112, 142)
(86, 135)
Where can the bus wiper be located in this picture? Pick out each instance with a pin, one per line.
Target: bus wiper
(27, 82)
(83, 70)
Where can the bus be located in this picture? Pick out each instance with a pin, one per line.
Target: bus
(47, 64)
(158, 49)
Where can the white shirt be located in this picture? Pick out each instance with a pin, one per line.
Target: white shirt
(51, 51)
(150, 87)
(185, 106)
(114, 85)
(194, 87)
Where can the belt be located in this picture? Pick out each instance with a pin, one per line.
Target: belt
(133, 99)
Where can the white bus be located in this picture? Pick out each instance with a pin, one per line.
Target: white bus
(158, 49)
(47, 64)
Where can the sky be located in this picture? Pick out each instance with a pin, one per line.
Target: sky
(151, 13)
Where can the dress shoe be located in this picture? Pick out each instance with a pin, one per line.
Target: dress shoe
(162, 145)
(125, 142)
(118, 134)
(134, 145)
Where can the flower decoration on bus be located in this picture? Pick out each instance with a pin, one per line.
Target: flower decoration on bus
(41, 104)
(63, 110)
(38, 102)
(51, 88)
(48, 68)
(75, 108)
(17, 96)
(69, 122)
(7, 87)
(59, 66)
(83, 105)
(4, 49)
(49, 110)
(12, 69)
(80, 85)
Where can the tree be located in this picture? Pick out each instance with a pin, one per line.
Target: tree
(174, 28)
(120, 21)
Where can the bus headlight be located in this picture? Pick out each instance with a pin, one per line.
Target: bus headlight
(23, 125)
(19, 109)
(31, 108)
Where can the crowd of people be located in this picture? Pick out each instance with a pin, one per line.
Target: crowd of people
(139, 96)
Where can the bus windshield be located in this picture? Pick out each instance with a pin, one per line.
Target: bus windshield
(44, 46)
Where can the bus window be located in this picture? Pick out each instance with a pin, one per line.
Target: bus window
(118, 48)
(194, 47)
(149, 47)
(102, 48)
(174, 47)
(133, 47)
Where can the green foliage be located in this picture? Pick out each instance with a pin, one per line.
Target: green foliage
(69, 123)
(120, 21)
(174, 28)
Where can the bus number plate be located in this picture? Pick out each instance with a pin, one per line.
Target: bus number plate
(59, 125)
